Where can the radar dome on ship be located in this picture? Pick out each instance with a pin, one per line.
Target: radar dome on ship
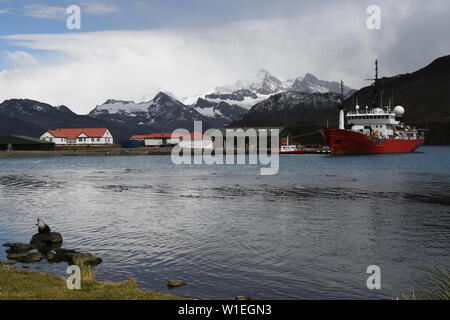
(399, 111)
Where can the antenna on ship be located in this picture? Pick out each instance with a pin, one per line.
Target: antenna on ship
(375, 91)
(375, 86)
(341, 107)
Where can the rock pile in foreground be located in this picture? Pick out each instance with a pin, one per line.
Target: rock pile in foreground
(46, 246)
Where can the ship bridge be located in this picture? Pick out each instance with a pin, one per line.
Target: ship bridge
(380, 123)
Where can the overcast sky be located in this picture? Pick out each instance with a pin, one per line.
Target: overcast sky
(131, 49)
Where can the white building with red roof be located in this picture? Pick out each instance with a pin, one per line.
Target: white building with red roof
(158, 139)
(196, 140)
(78, 136)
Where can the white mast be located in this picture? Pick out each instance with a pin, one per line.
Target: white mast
(341, 108)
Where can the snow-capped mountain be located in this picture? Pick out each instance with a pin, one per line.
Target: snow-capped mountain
(290, 108)
(294, 101)
(310, 84)
(248, 93)
(221, 111)
(33, 118)
(25, 109)
(163, 113)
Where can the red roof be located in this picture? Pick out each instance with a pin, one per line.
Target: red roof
(192, 136)
(196, 136)
(154, 136)
(73, 133)
(138, 137)
(161, 135)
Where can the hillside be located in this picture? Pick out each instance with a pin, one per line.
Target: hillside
(424, 94)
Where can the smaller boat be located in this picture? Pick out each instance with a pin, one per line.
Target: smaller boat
(290, 148)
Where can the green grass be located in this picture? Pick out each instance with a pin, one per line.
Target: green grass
(87, 272)
(31, 285)
(436, 287)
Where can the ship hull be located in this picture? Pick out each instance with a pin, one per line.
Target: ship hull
(343, 142)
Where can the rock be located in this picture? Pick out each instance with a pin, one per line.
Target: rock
(15, 256)
(73, 257)
(84, 258)
(51, 257)
(46, 248)
(242, 298)
(48, 238)
(17, 247)
(175, 283)
(25, 266)
(33, 257)
(8, 262)
(26, 257)
(62, 255)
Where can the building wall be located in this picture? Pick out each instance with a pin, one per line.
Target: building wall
(153, 142)
(82, 139)
(196, 144)
(49, 137)
(93, 141)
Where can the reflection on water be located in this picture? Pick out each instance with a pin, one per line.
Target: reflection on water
(308, 232)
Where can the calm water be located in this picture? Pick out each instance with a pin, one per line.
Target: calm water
(308, 232)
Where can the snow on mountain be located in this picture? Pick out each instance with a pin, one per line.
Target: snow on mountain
(311, 84)
(248, 93)
(265, 83)
(162, 113)
(289, 108)
(129, 108)
(220, 110)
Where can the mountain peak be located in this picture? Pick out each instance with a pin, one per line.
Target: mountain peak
(162, 97)
(265, 83)
(262, 73)
(310, 78)
(113, 101)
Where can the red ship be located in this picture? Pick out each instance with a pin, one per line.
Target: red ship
(376, 130)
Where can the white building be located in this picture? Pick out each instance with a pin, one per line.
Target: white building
(196, 140)
(78, 136)
(158, 139)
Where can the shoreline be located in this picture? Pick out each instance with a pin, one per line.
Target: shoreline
(33, 285)
(112, 151)
(86, 152)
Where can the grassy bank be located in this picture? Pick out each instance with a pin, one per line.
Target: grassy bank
(31, 285)
(87, 151)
